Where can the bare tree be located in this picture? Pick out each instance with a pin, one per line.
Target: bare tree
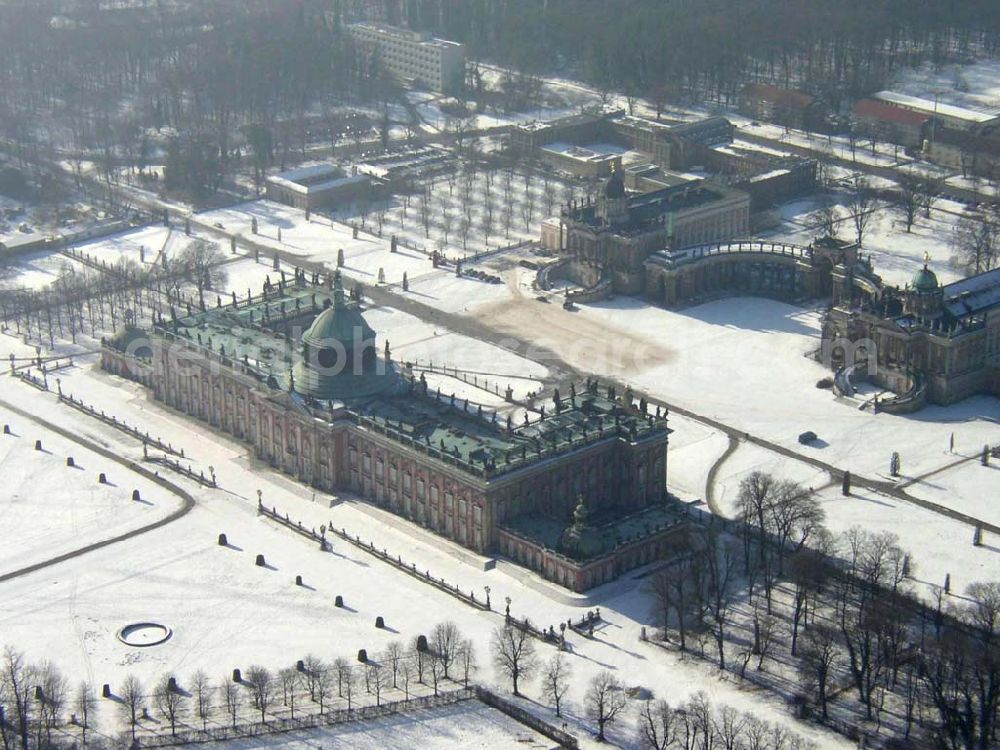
(53, 700)
(260, 682)
(861, 207)
(976, 243)
(204, 696)
(312, 667)
(795, 515)
(406, 675)
(605, 699)
(513, 653)
(820, 653)
(348, 683)
(288, 680)
(394, 656)
(169, 702)
(18, 678)
(556, 680)
(467, 660)
(728, 726)
(910, 195)
(201, 263)
(660, 728)
(322, 685)
(232, 697)
(375, 678)
(343, 670)
(133, 701)
(444, 642)
(85, 706)
(960, 670)
(720, 567)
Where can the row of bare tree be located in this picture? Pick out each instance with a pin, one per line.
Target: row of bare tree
(846, 617)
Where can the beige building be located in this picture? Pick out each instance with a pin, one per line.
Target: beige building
(415, 56)
(610, 239)
(927, 342)
(317, 186)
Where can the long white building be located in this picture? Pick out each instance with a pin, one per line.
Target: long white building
(415, 56)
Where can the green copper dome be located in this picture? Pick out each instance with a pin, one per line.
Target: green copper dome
(339, 322)
(339, 358)
(924, 280)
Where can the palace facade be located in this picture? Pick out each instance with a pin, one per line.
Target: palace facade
(297, 375)
(927, 342)
(611, 238)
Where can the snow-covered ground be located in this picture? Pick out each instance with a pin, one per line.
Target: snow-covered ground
(938, 546)
(975, 86)
(49, 508)
(969, 488)
(226, 612)
(694, 448)
(749, 458)
(896, 253)
(469, 724)
(37, 270)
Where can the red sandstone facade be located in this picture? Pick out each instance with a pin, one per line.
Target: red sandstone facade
(339, 450)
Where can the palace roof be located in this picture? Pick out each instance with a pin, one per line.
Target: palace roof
(262, 338)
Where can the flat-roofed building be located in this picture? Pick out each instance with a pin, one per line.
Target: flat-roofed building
(316, 186)
(415, 56)
(947, 115)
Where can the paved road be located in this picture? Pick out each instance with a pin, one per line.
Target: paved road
(187, 501)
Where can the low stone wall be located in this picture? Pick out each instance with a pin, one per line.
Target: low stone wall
(491, 699)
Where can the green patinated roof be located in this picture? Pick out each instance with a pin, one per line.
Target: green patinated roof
(600, 539)
(924, 280)
(262, 337)
(339, 322)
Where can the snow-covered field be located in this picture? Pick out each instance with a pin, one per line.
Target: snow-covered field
(969, 488)
(896, 253)
(469, 724)
(37, 270)
(226, 612)
(975, 86)
(49, 508)
(939, 546)
(694, 448)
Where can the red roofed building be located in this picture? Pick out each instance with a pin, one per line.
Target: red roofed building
(790, 107)
(886, 122)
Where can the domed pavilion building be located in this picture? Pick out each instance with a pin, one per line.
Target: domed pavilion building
(300, 376)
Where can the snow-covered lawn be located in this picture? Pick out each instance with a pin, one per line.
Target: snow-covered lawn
(468, 724)
(37, 270)
(694, 448)
(146, 243)
(938, 545)
(969, 488)
(896, 253)
(320, 240)
(748, 458)
(227, 612)
(49, 508)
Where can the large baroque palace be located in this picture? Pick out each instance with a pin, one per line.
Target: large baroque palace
(576, 492)
(927, 342)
